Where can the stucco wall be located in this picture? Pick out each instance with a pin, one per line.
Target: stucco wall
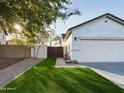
(14, 51)
(42, 52)
(100, 28)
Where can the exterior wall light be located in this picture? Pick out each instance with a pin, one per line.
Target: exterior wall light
(106, 21)
(75, 38)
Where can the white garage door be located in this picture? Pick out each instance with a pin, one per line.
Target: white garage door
(102, 50)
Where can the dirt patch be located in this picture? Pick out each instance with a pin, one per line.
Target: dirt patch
(5, 62)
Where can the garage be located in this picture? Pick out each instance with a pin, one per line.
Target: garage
(97, 40)
(104, 50)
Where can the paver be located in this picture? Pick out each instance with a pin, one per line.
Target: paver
(10, 73)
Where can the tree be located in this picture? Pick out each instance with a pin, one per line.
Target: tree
(55, 41)
(15, 42)
(34, 15)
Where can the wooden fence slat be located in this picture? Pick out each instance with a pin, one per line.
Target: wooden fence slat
(54, 52)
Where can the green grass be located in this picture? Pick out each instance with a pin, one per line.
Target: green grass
(45, 78)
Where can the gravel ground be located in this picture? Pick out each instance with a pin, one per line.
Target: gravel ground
(10, 73)
(60, 62)
(5, 62)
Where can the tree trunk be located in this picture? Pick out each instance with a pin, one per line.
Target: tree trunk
(25, 52)
(34, 51)
(38, 50)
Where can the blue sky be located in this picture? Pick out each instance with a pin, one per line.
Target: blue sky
(90, 9)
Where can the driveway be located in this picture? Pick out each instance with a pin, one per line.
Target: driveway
(113, 71)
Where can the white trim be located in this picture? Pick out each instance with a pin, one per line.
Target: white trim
(75, 50)
(101, 38)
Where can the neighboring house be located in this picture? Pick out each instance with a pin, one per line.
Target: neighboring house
(3, 38)
(98, 40)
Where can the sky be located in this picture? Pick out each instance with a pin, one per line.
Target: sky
(90, 9)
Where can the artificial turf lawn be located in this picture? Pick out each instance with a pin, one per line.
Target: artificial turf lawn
(45, 78)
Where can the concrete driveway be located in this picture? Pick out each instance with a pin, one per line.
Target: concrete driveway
(113, 71)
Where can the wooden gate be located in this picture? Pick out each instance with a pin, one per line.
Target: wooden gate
(54, 52)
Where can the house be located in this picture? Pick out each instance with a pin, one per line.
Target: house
(3, 37)
(98, 40)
